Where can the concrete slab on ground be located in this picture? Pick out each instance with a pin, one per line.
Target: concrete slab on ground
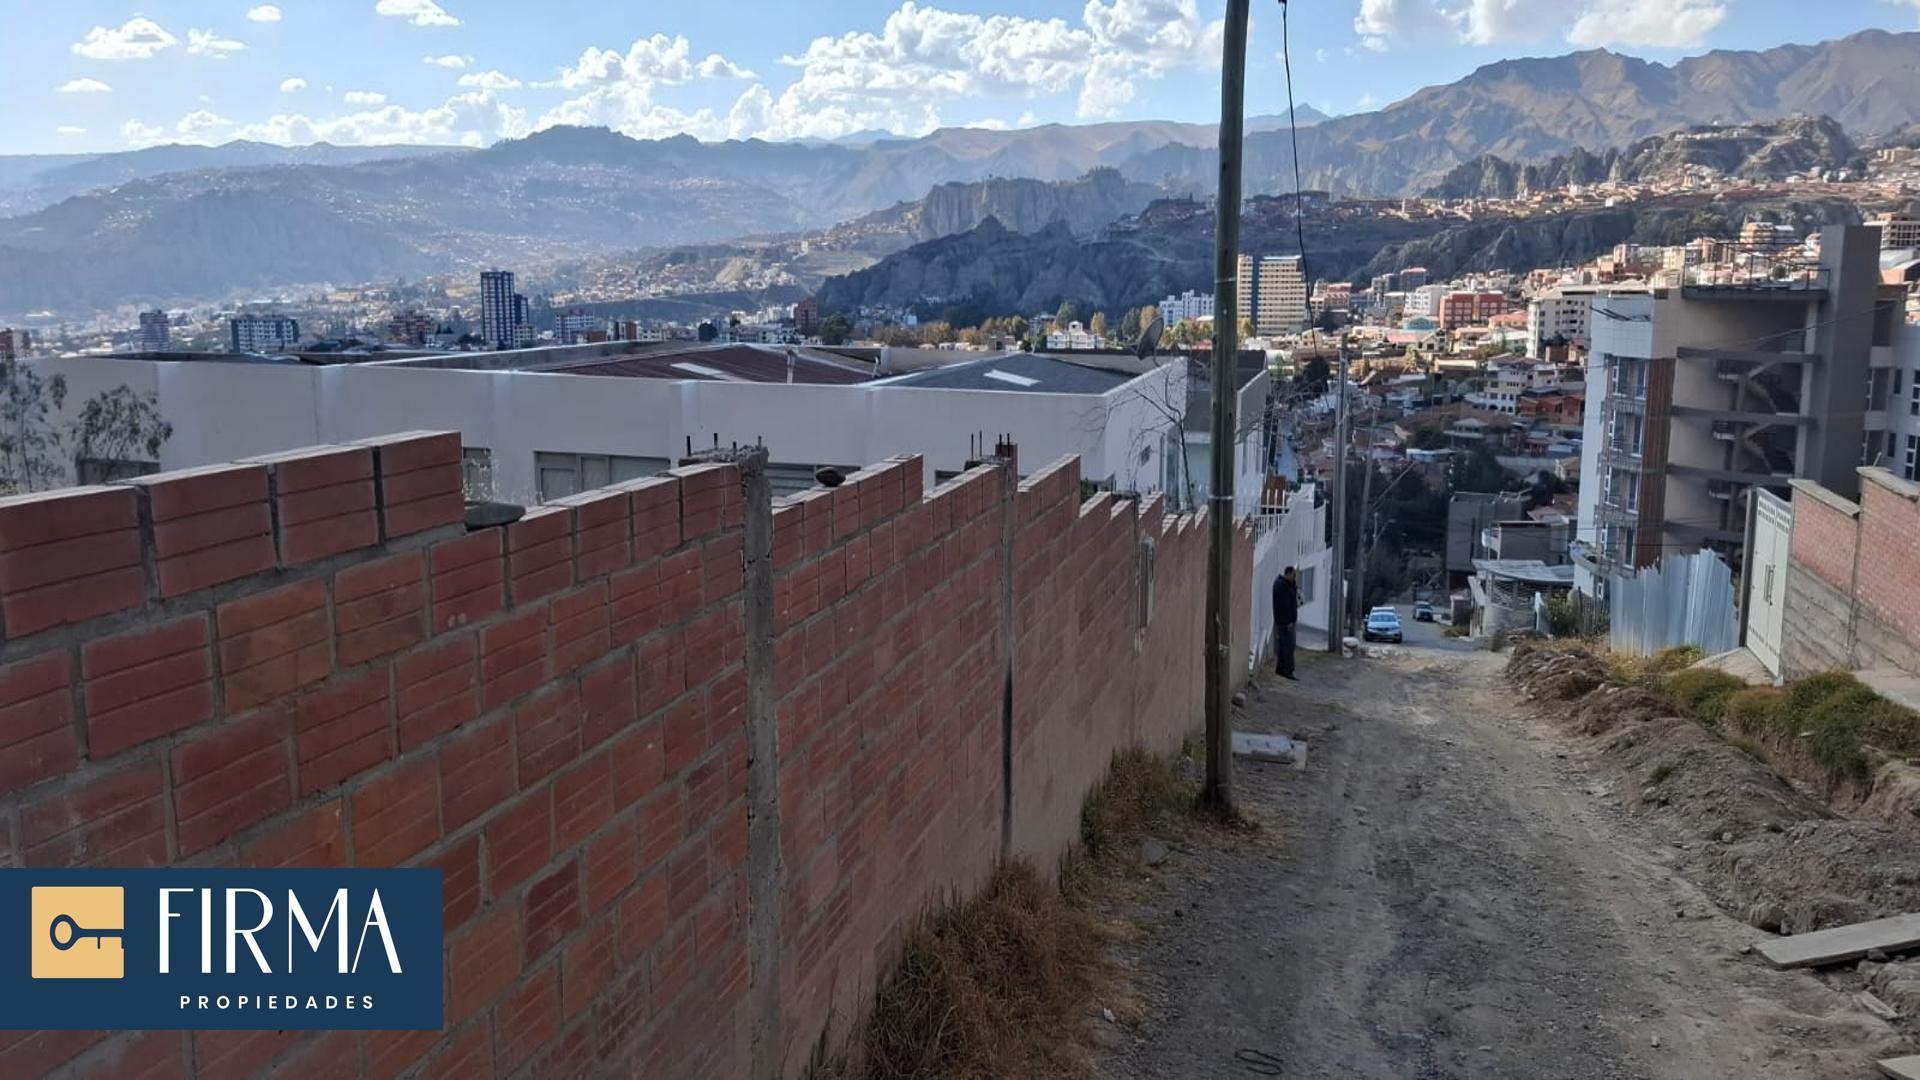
(1277, 749)
(1893, 684)
(1742, 664)
(1844, 944)
(1901, 1068)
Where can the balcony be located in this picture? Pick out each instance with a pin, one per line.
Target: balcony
(1762, 280)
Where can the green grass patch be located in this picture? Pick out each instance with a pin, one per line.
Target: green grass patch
(1663, 772)
(1702, 693)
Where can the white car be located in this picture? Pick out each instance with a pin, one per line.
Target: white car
(1383, 624)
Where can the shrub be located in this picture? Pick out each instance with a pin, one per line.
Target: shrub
(1703, 693)
(1680, 656)
(1755, 710)
(1893, 727)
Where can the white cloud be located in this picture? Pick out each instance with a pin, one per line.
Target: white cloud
(84, 86)
(716, 66)
(209, 43)
(924, 58)
(139, 134)
(1384, 24)
(421, 12)
(1486, 22)
(1366, 102)
(1321, 55)
(470, 119)
(490, 80)
(616, 89)
(450, 60)
(69, 130)
(293, 85)
(139, 38)
(264, 13)
(1664, 24)
(364, 97)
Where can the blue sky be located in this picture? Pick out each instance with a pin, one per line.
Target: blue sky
(93, 75)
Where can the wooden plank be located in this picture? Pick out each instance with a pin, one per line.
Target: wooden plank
(1844, 944)
(1901, 1068)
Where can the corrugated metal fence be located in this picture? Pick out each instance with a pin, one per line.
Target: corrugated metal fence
(1686, 600)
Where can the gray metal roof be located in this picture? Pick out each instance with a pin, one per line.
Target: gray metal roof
(1026, 373)
(1531, 571)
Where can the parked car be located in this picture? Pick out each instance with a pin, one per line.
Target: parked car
(1423, 612)
(1383, 624)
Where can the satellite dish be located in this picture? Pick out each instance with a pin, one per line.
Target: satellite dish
(1149, 342)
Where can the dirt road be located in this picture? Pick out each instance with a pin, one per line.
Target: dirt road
(1439, 894)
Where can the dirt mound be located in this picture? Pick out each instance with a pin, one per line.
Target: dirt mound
(1819, 874)
(1555, 672)
(1713, 788)
(1612, 706)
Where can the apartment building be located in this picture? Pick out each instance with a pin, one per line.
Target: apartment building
(1190, 305)
(1273, 292)
(267, 334)
(156, 332)
(1458, 308)
(1564, 313)
(1699, 394)
(1899, 231)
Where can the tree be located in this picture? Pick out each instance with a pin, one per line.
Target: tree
(1066, 314)
(1477, 470)
(1315, 376)
(1098, 327)
(1130, 325)
(28, 439)
(1147, 314)
(1246, 328)
(1428, 438)
(116, 431)
(708, 332)
(836, 330)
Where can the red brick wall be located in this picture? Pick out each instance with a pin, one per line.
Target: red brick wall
(306, 660)
(1823, 540)
(1889, 580)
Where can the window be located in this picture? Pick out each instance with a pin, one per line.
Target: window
(561, 475)
(1304, 586)
(1913, 402)
(1913, 453)
(476, 473)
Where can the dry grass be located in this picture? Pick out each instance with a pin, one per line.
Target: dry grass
(995, 987)
(1004, 985)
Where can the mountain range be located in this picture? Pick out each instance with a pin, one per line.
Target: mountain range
(1767, 151)
(174, 224)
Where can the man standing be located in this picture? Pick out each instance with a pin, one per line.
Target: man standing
(1286, 609)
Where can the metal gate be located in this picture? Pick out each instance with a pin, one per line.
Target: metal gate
(1767, 565)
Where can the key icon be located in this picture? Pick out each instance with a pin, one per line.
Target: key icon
(64, 926)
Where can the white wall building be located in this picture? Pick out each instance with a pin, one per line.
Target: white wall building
(539, 433)
(1178, 309)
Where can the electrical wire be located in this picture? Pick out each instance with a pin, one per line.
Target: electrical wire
(1293, 133)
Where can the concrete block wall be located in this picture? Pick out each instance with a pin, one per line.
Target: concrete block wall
(1853, 579)
(308, 660)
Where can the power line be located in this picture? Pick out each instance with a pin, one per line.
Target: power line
(1293, 134)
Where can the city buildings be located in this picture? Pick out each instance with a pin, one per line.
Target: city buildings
(1074, 335)
(503, 312)
(1564, 313)
(410, 328)
(1273, 293)
(1696, 395)
(156, 332)
(1194, 306)
(15, 344)
(1458, 309)
(572, 327)
(806, 315)
(268, 334)
(1899, 231)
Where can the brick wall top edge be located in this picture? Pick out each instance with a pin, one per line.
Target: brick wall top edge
(1815, 491)
(1059, 465)
(1886, 481)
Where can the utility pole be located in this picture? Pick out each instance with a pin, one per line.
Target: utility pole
(1226, 350)
(1336, 599)
(1360, 537)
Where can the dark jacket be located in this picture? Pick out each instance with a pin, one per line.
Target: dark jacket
(1286, 602)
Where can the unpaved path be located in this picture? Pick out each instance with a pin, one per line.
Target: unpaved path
(1439, 895)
